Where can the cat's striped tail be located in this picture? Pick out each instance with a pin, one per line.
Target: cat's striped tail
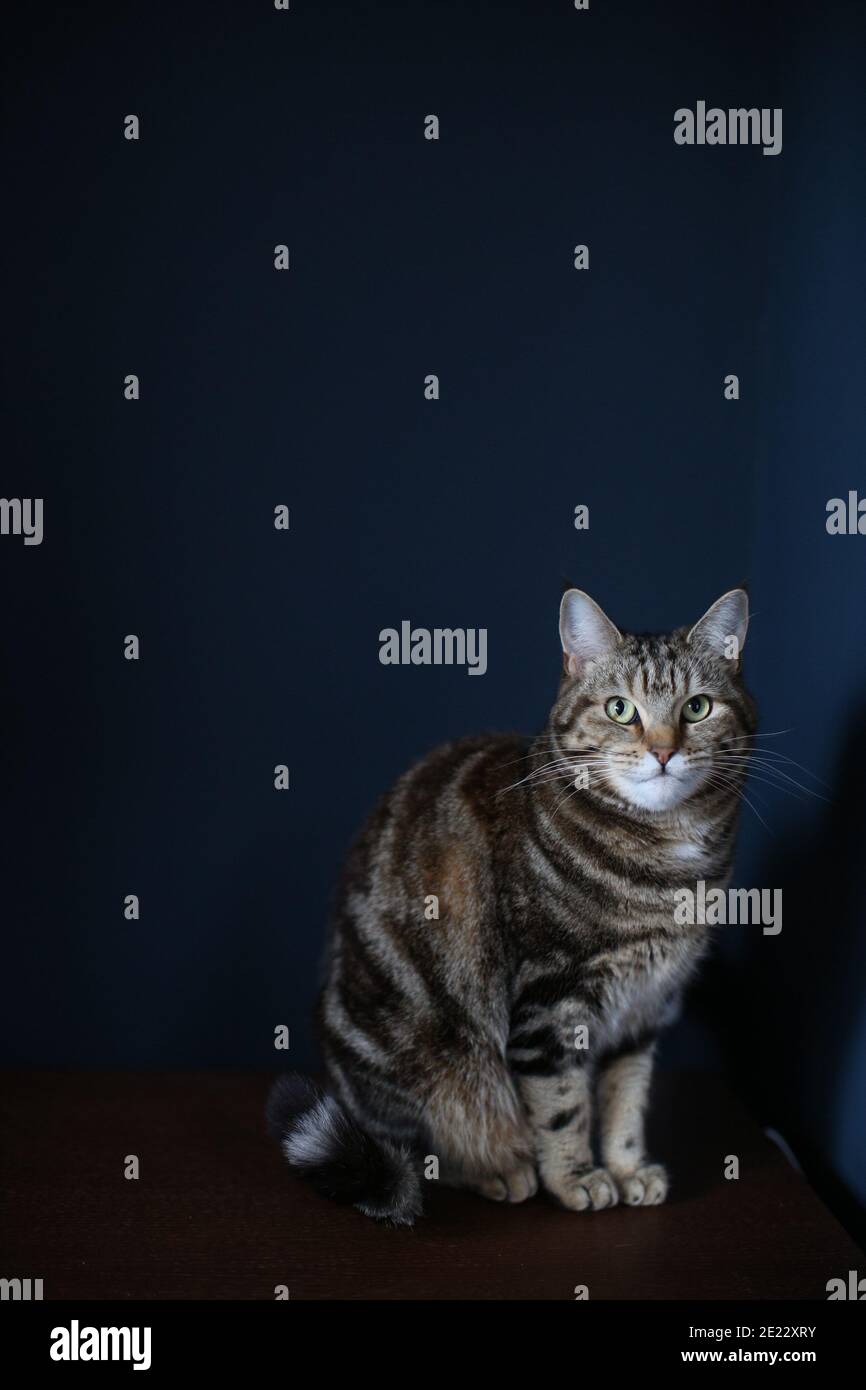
(325, 1144)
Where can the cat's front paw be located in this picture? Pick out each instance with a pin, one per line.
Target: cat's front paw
(586, 1189)
(515, 1186)
(647, 1186)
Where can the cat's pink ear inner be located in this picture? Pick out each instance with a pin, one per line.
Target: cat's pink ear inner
(722, 629)
(586, 632)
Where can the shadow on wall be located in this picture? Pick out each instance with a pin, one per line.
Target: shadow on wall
(798, 996)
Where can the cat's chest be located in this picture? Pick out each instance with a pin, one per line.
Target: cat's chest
(687, 852)
(644, 983)
(694, 857)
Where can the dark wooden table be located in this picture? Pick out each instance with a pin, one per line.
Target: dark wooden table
(215, 1215)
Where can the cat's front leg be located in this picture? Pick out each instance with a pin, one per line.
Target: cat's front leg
(559, 1107)
(623, 1092)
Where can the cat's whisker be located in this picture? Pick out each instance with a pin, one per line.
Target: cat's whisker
(569, 794)
(764, 761)
(752, 766)
(734, 781)
(773, 754)
(550, 771)
(567, 797)
(562, 762)
(552, 763)
(771, 733)
(568, 775)
(742, 795)
(536, 752)
(776, 786)
(747, 770)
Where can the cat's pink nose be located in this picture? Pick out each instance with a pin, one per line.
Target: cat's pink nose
(664, 755)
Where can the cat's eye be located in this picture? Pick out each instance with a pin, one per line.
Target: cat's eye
(697, 708)
(620, 710)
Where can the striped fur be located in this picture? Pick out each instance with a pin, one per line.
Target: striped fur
(456, 1038)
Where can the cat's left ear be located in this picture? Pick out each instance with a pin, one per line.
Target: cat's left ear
(586, 632)
(722, 629)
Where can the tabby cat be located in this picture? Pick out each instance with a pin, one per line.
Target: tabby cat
(512, 1037)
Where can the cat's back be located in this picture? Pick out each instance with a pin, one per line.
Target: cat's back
(417, 983)
(434, 832)
(416, 904)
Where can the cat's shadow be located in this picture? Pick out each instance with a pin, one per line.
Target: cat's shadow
(787, 1009)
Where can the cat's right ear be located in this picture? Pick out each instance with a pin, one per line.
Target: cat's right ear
(585, 631)
(722, 629)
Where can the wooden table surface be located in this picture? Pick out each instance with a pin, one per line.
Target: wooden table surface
(215, 1215)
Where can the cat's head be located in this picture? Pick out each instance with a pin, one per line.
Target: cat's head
(649, 715)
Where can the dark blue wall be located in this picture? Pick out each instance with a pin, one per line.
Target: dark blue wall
(558, 388)
(803, 1046)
